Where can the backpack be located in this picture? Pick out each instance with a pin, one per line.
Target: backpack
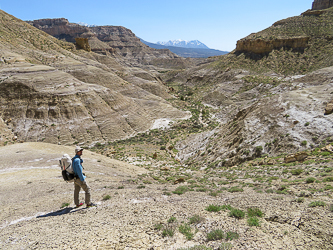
(67, 168)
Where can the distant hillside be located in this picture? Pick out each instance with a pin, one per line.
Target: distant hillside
(194, 44)
(188, 52)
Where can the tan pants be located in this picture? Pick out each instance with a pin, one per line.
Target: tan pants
(78, 184)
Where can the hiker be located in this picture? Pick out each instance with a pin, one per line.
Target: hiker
(80, 180)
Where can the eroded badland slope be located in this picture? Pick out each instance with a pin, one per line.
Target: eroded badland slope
(54, 93)
(251, 167)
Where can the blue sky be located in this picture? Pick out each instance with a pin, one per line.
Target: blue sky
(216, 23)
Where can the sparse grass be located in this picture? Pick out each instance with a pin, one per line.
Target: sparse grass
(235, 189)
(297, 171)
(317, 204)
(185, 229)
(237, 213)
(181, 190)
(168, 231)
(310, 180)
(215, 235)
(172, 220)
(213, 208)
(196, 219)
(254, 212)
(65, 204)
(158, 226)
(232, 236)
(106, 197)
(225, 246)
(253, 221)
(199, 247)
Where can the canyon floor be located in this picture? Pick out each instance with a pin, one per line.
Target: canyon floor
(141, 207)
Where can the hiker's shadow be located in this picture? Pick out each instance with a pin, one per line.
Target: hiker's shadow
(59, 212)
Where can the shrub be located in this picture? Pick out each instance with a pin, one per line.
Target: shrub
(226, 207)
(300, 199)
(213, 208)
(158, 226)
(65, 204)
(172, 219)
(253, 221)
(303, 143)
(310, 180)
(185, 229)
(196, 219)
(215, 235)
(328, 179)
(254, 212)
(213, 193)
(317, 204)
(168, 231)
(106, 197)
(297, 171)
(232, 236)
(141, 187)
(238, 214)
(235, 189)
(121, 187)
(331, 208)
(180, 190)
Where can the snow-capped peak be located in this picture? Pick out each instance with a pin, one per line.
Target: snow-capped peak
(185, 44)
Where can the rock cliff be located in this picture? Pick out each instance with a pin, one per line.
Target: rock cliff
(261, 46)
(115, 40)
(322, 4)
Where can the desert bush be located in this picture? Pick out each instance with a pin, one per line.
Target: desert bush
(297, 171)
(158, 226)
(172, 219)
(237, 213)
(235, 189)
(232, 236)
(196, 219)
(310, 180)
(168, 231)
(180, 190)
(253, 221)
(185, 229)
(141, 187)
(213, 208)
(65, 204)
(106, 197)
(214, 235)
(328, 179)
(317, 204)
(254, 212)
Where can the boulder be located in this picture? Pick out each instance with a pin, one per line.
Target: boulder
(300, 156)
(329, 108)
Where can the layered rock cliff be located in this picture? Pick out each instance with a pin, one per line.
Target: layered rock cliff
(114, 40)
(322, 4)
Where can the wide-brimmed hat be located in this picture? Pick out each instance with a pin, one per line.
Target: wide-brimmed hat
(78, 149)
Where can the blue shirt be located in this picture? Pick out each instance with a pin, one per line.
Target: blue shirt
(77, 167)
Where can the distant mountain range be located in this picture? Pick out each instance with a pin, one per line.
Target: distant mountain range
(194, 44)
(194, 48)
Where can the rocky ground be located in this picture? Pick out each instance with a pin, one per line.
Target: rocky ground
(142, 208)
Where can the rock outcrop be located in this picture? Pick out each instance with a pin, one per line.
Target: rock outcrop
(262, 46)
(329, 108)
(322, 4)
(82, 43)
(116, 40)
